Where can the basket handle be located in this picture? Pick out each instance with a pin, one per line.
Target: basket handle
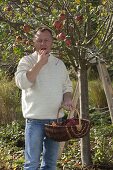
(79, 126)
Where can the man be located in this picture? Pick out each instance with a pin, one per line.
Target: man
(45, 86)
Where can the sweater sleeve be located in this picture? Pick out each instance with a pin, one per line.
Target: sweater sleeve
(67, 87)
(20, 76)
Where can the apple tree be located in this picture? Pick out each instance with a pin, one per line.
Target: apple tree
(83, 30)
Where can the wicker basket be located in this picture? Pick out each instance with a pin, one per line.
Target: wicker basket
(68, 129)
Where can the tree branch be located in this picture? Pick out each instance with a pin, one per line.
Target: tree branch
(107, 42)
(96, 34)
(108, 28)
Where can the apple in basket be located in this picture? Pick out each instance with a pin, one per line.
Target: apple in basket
(54, 124)
(71, 122)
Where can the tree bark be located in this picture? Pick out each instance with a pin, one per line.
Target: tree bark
(84, 113)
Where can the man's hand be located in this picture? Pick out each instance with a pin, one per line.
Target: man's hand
(67, 102)
(42, 60)
(43, 57)
(68, 105)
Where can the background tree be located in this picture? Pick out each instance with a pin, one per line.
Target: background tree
(83, 28)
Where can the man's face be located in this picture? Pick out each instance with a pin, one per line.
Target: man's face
(43, 41)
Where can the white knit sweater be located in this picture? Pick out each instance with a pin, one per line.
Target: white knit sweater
(42, 99)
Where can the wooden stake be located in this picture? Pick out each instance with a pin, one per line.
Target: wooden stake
(107, 85)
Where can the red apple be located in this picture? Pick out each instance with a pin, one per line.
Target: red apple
(71, 122)
(26, 28)
(68, 42)
(58, 25)
(79, 18)
(54, 124)
(9, 8)
(62, 17)
(61, 36)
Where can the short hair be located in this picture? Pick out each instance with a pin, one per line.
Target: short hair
(44, 28)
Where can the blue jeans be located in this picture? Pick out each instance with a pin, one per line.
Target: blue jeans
(38, 147)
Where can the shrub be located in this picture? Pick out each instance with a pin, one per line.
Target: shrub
(12, 145)
(9, 101)
(102, 144)
(97, 96)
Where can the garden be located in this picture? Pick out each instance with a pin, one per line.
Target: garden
(82, 36)
(13, 124)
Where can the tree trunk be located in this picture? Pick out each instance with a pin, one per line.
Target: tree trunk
(84, 113)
